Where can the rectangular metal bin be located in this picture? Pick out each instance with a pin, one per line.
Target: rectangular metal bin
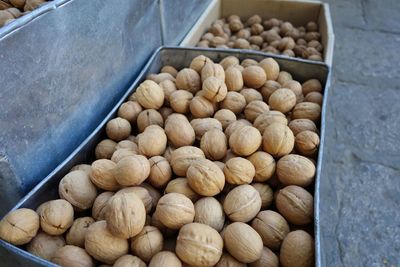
(297, 12)
(179, 58)
(64, 66)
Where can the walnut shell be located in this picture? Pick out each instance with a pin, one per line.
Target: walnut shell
(201, 107)
(268, 88)
(165, 258)
(180, 185)
(105, 149)
(160, 77)
(239, 171)
(185, 136)
(297, 250)
(271, 68)
(254, 109)
(153, 141)
(241, 43)
(264, 165)
(19, 226)
(76, 234)
(100, 205)
(306, 143)
(56, 216)
(180, 101)
(248, 62)
(299, 125)
(183, 157)
(251, 94)
(282, 100)
(242, 203)
(154, 194)
(245, 141)
(77, 189)
(214, 144)
(254, 76)
(268, 259)
(189, 80)
(199, 245)
(45, 246)
(228, 261)
(235, 25)
(214, 89)
(212, 70)
(210, 212)
(129, 261)
(278, 140)
(243, 242)
(150, 95)
(130, 111)
(266, 194)
(295, 170)
(168, 87)
(295, 204)
(284, 77)
(82, 167)
(102, 174)
(165, 112)
(169, 69)
(225, 117)
(149, 117)
(205, 177)
(233, 79)
(267, 118)
(295, 87)
(127, 144)
(102, 245)
(312, 85)
(272, 228)
(234, 101)
(160, 171)
(132, 170)
(198, 63)
(314, 97)
(201, 126)
(234, 126)
(122, 153)
(33, 4)
(307, 110)
(141, 192)
(147, 243)
(72, 256)
(118, 129)
(228, 62)
(175, 210)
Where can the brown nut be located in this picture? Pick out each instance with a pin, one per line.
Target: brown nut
(160, 171)
(201, 107)
(225, 117)
(122, 153)
(266, 194)
(242, 203)
(105, 149)
(168, 87)
(228, 261)
(205, 177)
(127, 144)
(19, 226)
(45, 246)
(33, 4)
(297, 250)
(175, 210)
(309, 36)
(76, 234)
(102, 174)
(17, 3)
(278, 140)
(100, 205)
(210, 212)
(307, 143)
(72, 256)
(214, 89)
(312, 85)
(251, 94)
(307, 110)
(132, 170)
(158, 78)
(198, 62)
(254, 109)
(214, 144)
(212, 70)
(239, 171)
(165, 258)
(185, 136)
(149, 117)
(296, 88)
(154, 194)
(180, 101)
(56, 216)
(264, 165)
(256, 29)
(286, 43)
(234, 101)
(142, 192)
(268, 88)
(199, 245)
(97, 243)
(284, 77)
(242, 34)
(150, 95)
(183, 157)
(254, 76)
(233, 79)
(165, 112)
(152, 142)
(267, 118)
(315, 97)
(180, 185)
(245, 141)
(295, 204)
(77, 189)
(299, 125)
(169, 69)
(282, 100)
(118, 129)
(130, 111)
(235, 126)
(243, 242)
(268, 259)
(82, 167)
(228, 62)
(201, 126)
(147, 243)
(272, 228)
(295, 170)
(256, 40)
(129, 261)
(189, 80)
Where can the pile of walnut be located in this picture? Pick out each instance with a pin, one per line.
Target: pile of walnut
(197, 170)
(13, 9)
(272, 35)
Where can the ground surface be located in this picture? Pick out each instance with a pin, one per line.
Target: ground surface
(360, 185)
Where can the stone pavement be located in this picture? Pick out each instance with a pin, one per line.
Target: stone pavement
(360, 181)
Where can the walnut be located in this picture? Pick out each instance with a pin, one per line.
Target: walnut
(295, 170)
(129, 261)
(254, 109)
(251, 94)
(299, 125)
(210, 212)
(282, 100)
(132, 170)
(100, 205)
(141, 192)
(307, 110)
(165, 258)
(242, 203)
(234, 101)
(214, 89)
(201, 126)
(45, 246)
(201, 107)
(147, 243)
(233, 79)
(180, 101)
(56, 216)
(160, 171)
(118, 129)
(229, 61)
(189, 80)
(264, 165)
(183, 157)
(214, 144)
(149, 117)
(102, 174)
(76, 234)
(150, 95)
(254, 76)
(245, 140)
(130, 111)
(105, 149)
(198, 63)
(266, 194)
(212, 70)
(307, 143)
(297, 250)
(278, 140)
(268, 259)
(180, 185)
(153, 141)
(239, 171)
(175, 210)
(185, 136)
(72, 256)
(225, 117)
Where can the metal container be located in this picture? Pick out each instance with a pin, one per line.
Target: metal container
(64, 67)
(298, 12)
(178, 57)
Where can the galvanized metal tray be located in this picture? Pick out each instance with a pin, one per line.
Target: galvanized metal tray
(178, 57)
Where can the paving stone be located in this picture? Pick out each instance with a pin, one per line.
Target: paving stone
(346, 13)
(382, 15)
